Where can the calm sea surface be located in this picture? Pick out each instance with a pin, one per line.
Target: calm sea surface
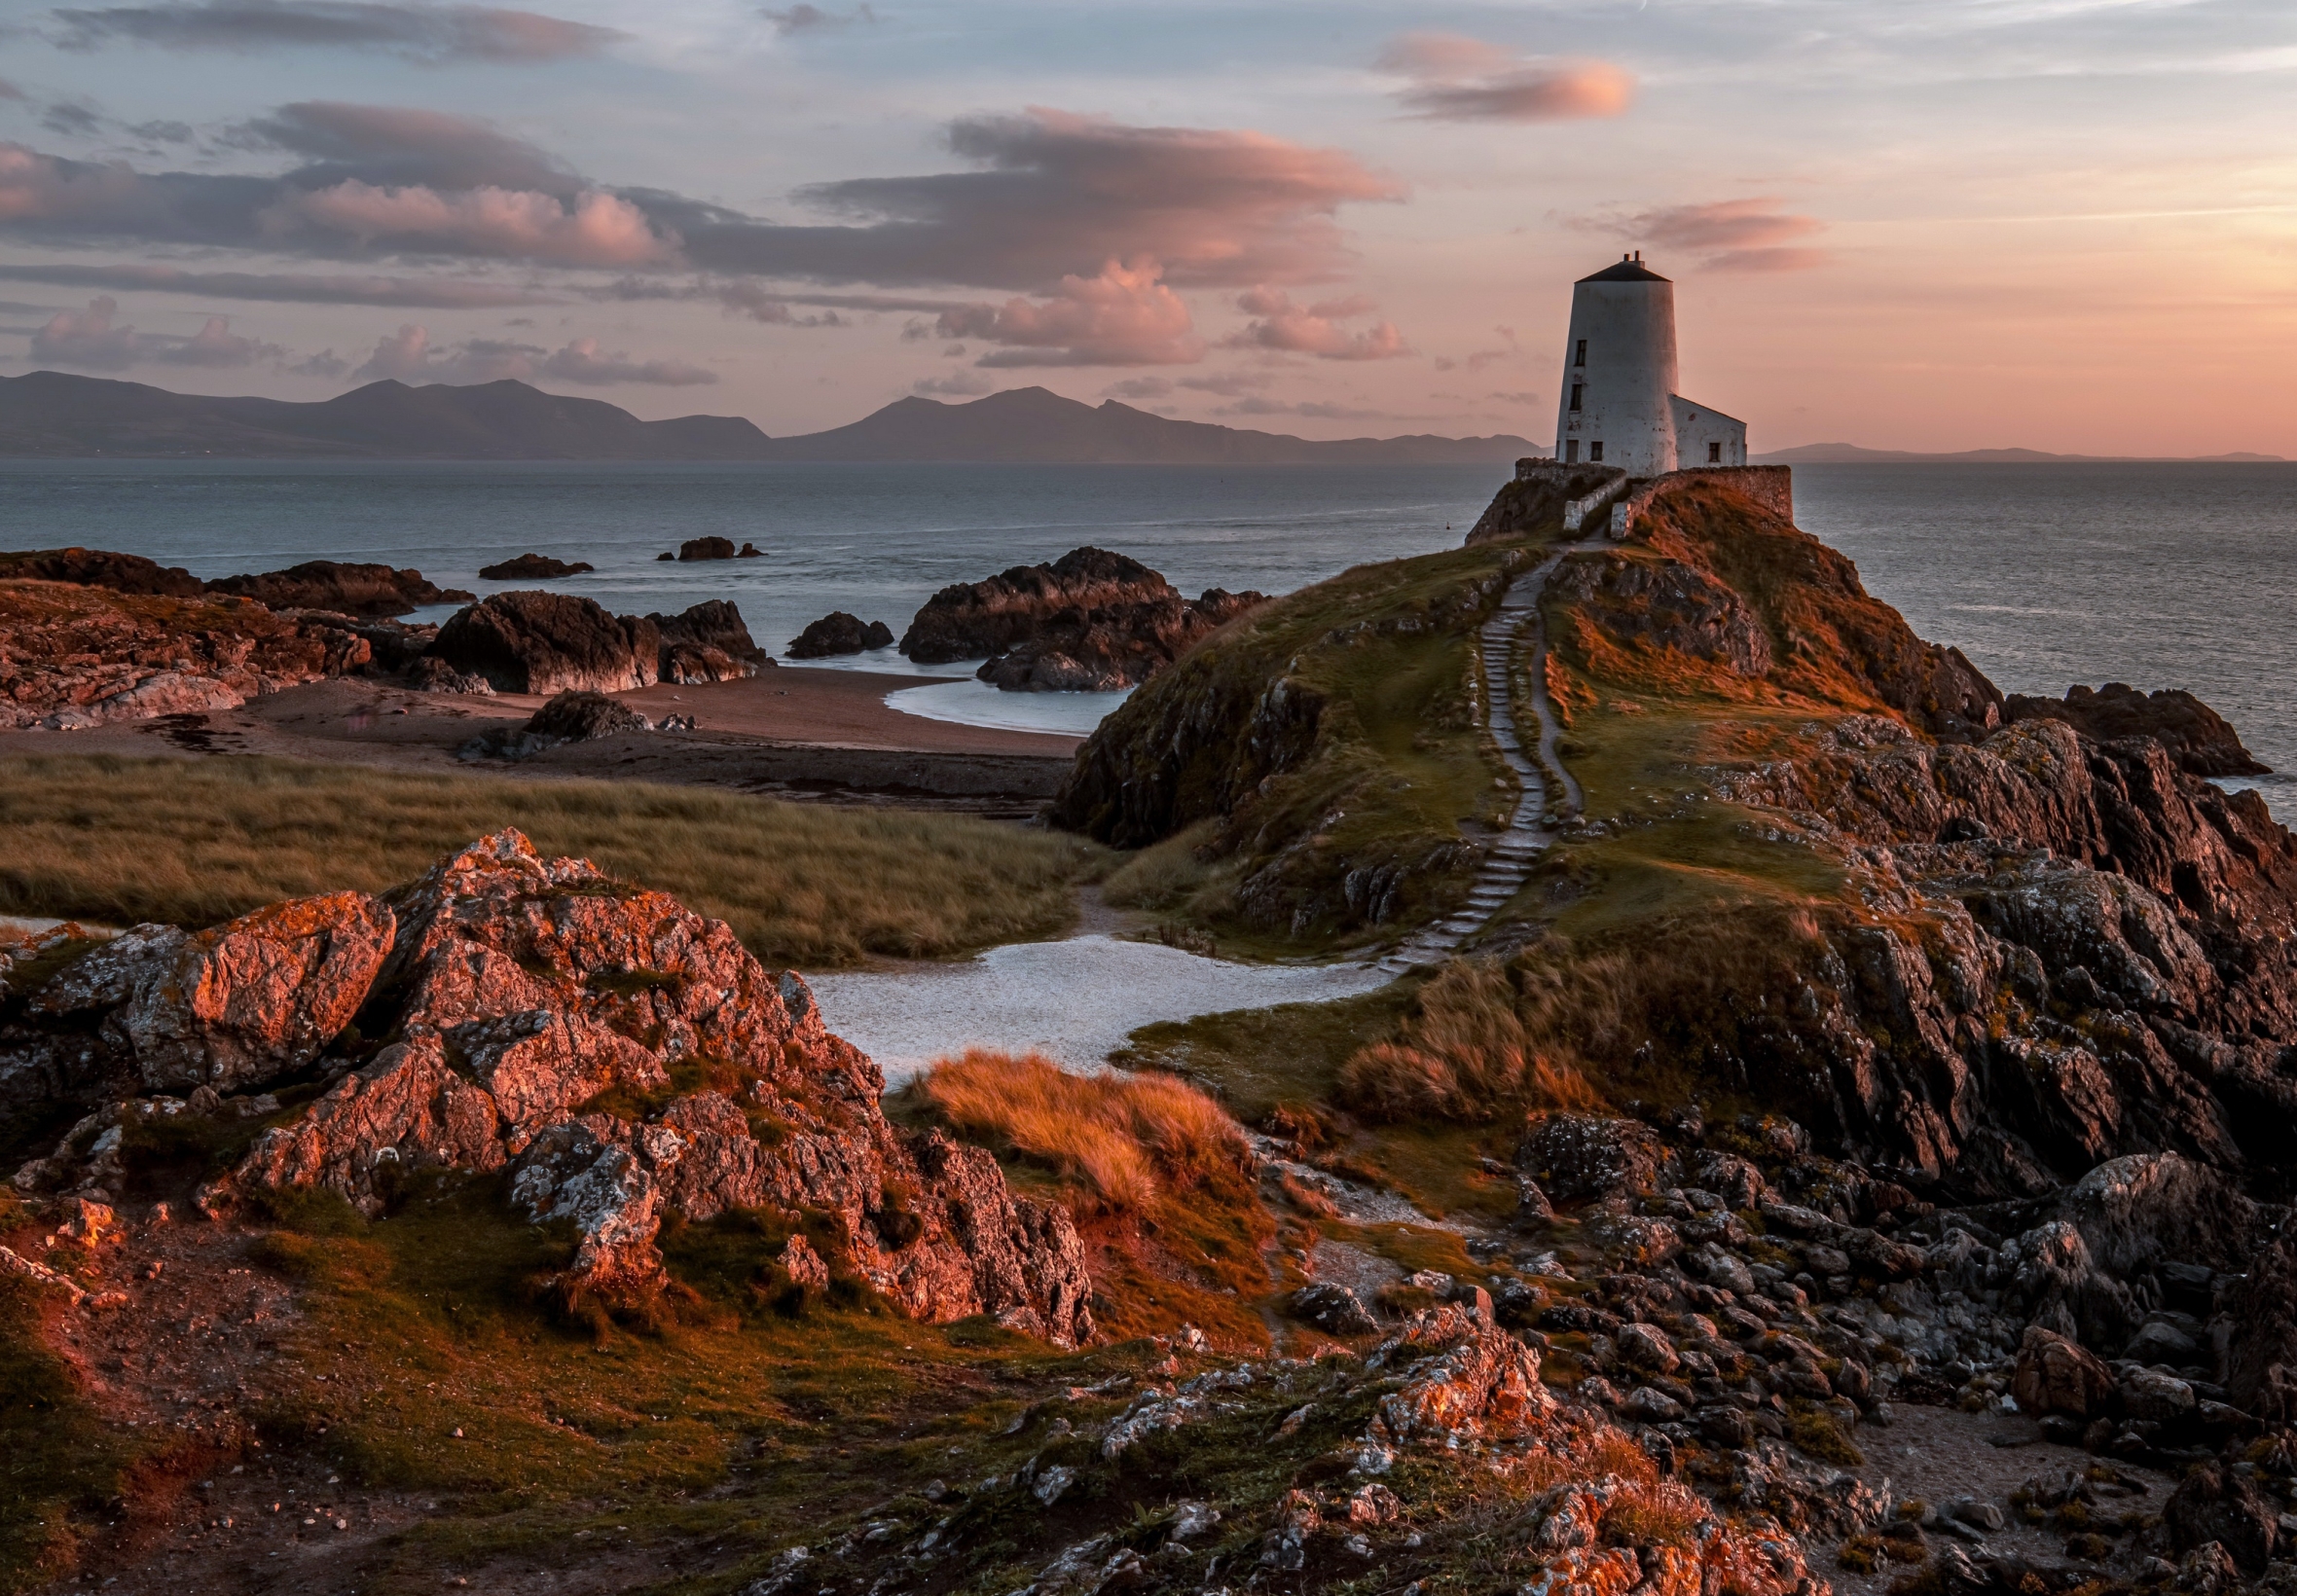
(2045, 575)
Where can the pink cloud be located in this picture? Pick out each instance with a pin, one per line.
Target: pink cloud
(1729, 235)
(1453, 78)
(1314, 329)
(1062, 192)
(591, 229)
(95, 338)
(408, 355)
(1124, 316)
(580, 361)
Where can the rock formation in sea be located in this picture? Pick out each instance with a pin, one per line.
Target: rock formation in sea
(533, 567)
(101, 568)
(839, 633)
(360, 589)
(621, 1060)
(716, 548)
(1090, 620)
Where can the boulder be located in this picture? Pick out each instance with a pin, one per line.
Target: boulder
(583, 717)
(1334, 1309)
(362, 589)
(2150, 1397)
(1577, 1157)
(1483, 1382)
(527, 641)
(533, 567)
(839, 633)
(528, 991)
(2216, 1504)
(432, 674)
(242, 1005)
(708, 642)
(2055, 1375)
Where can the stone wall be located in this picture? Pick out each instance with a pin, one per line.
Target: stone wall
(1771, 485)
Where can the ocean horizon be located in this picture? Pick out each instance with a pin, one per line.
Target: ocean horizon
(2176, 574)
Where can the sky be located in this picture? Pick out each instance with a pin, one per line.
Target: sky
(2067, 224)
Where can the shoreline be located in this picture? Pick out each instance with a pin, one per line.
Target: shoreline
(805, 735)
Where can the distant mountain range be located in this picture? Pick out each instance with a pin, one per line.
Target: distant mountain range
(1852, 454)
(53, 415)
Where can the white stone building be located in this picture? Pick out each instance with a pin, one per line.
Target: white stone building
(1619, 405)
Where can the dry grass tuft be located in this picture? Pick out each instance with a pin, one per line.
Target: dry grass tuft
(117, 840)
(1126, 1138)
(1469, 1053)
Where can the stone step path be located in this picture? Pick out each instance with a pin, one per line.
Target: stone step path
(1548, 796)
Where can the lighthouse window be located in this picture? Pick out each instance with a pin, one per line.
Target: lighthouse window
(1580, 356)
(1596, 452)
(1714, 453)
(1576, 389)
(1571, 452)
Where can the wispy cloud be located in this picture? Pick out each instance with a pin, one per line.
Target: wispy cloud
(1054, 197)
(294, 288)
(411, 355)
(1726, 235)
(809, 19)
(1314, 329)
(1450, 77)
(432, 35)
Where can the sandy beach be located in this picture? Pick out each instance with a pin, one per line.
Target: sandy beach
(798, 733)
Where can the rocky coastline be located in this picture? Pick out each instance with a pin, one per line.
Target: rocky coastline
(1873, 1077)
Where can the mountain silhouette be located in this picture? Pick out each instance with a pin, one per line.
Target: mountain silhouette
(58, 416)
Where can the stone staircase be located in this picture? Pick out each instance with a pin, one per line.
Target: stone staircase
(1548, 795)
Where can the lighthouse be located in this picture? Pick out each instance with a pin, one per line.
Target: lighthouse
(1619, 406)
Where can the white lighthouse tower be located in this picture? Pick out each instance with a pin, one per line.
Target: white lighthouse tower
(1619, 405)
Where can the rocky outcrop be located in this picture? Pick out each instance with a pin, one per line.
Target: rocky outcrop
(361, 590)
(101, 568)
(1089, 620)
(75, 656)
(240, 1005)
(569, 717)
(2197, 738)
(708, 642)
(839, 633)
(533, 567)
(543, 1016)
(716, 548)
(550, 642)
(1113, 646)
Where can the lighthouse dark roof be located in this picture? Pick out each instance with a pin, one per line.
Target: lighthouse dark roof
(1626, 272)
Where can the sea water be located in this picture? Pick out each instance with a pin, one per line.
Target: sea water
(2049, 574)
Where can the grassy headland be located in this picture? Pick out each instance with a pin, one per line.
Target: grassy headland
(118, 840)
(1636, 961)
(1313, 770)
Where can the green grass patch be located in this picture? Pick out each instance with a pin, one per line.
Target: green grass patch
(57, 1459)
(119, 840)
